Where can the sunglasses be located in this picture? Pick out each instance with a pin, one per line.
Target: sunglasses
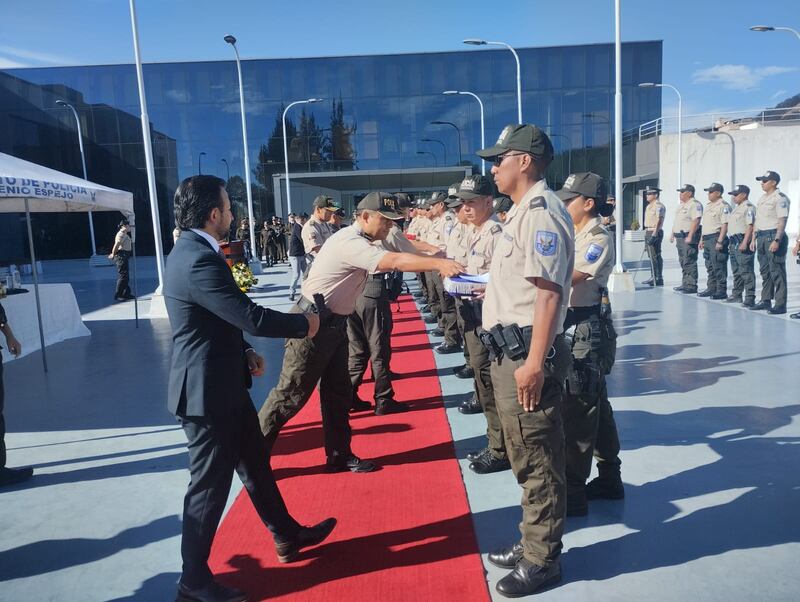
(499, 158)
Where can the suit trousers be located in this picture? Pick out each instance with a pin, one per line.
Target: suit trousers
(298, 267)
(687, 256)
(447, 311)
(368, 333)
(773, 269)
(306, 362)
(744, 275)
(218, 446)
(2, 419)
(535, 444)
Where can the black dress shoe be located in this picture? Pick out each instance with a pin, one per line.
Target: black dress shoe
(12, 476)
(359, 405)
(605, 489)
(488, 464)
(761, 305)
(306, 537)
(436, 332)
(430, 319)
(390, 406)
(749, 303)
(678, 288)
(734, 299)
(463, 371)
(719, 296)
(795, 316)
(425, 309)
(470, 405)
(659, 283)
(213, 592)
(706, 293)
(445, 348)
(507, 558)
(649, 282)
(689, 290)
(474, 455)
(528, 578)
(353, 464)
(777, 310)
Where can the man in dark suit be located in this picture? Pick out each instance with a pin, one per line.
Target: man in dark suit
(210, 374)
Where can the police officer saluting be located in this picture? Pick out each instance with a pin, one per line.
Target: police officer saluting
(685, 234)
(334, 282)
(523, 315)
(771, 243)
(654, 234)
(589, 426)
(714, 242)
(740, 234)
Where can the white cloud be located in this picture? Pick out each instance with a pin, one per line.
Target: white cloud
(737, 77)
(779, 94)
(6, 63)
(11, 57)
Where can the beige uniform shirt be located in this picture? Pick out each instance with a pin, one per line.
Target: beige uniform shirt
(714, 216)
(742, 216)
(124, 241)
(685, 214)
(439, 231)
(314, 234)
(655, 211)
(341, 268)
(457, 242)
(537, 242)
(422, 228)
(594, 255)
(397, 242)
(413, 225)
(481, 245)
(770, 208)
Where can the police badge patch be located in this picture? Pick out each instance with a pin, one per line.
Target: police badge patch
(594, 252)
(546, 242)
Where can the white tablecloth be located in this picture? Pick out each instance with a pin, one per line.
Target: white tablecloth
(61, 317)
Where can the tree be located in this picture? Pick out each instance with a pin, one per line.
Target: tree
(338, 149)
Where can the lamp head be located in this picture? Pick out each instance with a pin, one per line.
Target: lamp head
(61, 103)
(437, 123)
(202, 153)
(311, 100)
(762, 28)
(647, 85)
(450, 92)
(230, 39)
(475, 42)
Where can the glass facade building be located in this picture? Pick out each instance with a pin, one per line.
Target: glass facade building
(376, 113)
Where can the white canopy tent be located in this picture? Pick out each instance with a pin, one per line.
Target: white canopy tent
(26, 187)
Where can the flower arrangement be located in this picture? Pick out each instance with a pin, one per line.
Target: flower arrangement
(243, 276)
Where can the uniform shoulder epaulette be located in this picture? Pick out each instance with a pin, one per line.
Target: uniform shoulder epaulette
(598, 229)
(538, 202)
(496, 229)
(783, 195)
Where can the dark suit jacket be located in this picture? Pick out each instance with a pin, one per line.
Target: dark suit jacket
(208, 312)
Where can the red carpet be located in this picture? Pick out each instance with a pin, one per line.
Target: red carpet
(404, 532)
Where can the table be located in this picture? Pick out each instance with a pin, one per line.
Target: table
(61, 318)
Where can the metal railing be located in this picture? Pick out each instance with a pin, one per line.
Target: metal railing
(709, 122)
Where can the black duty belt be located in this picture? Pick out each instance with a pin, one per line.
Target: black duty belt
(710, 235)
(767, 233)
(736, 238)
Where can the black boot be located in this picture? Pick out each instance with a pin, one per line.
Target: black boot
(528, 578)
(762, 305)
(507, 558)
(488, 464)
(605, 488)
(471, 405)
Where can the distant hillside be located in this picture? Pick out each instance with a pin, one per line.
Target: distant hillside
(787, 109)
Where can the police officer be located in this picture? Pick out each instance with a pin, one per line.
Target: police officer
(502, 205)
(333, 285)
(771, 243)
(523, 312)
(589, 425)
(443, 306)
(317, 229)
(654, 234)
(120, 254)
(457, 250)
(476, 195)
(740, 234)
(714, 242)
(686, 233)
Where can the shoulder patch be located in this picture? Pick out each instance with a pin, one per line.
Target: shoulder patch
(594, 252)
(538, 202)
(725, 209)
(496, 229)
(546, 242)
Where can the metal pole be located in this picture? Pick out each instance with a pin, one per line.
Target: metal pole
(200, 164)
(83, 164)
(35, 273)
(483, 133)
(444, 147)
(227, 169)
(148, 153)
(250, 217)
(618, 267)
(286, 149)
(135, 275)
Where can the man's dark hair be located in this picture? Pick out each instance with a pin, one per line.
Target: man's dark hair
(195, 198)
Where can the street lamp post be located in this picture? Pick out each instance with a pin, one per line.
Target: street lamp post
(770, 28)
(458, 131)
(444, 147)
(255, 265)
(483, 133)
(477, 42)
(227, 170)
(428, 153)
(680, 126)
(62, 103)
(200, 163)
(286, 148)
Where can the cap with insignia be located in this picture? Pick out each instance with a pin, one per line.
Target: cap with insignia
(652, 190)
(686, 188)
(473, 187)
(740, 189)
(440, 196)
(769, 175)
(381, 202)
(325, 202)
(503, 204)
(452, 191)
(403, 200)
(524, 138)
(715, 187)
(586, 184)
(455, 202)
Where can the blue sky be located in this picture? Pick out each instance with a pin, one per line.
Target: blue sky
(709, 54)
